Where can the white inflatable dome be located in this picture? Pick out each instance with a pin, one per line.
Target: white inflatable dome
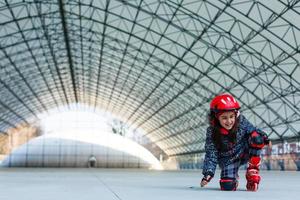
(75, 148)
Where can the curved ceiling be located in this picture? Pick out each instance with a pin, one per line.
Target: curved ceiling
(155, 64)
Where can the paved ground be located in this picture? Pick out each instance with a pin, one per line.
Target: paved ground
(116, 184)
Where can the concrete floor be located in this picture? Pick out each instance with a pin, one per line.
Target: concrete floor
(116, 184)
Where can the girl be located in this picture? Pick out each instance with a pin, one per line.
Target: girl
(231, 141)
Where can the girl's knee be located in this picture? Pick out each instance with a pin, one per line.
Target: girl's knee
(228, 184)
(256, 140)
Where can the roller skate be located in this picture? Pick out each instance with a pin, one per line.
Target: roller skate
(252, 174)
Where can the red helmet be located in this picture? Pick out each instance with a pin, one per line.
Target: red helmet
(224, 102)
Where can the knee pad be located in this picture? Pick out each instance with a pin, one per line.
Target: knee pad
(228, 184)
(256, 140)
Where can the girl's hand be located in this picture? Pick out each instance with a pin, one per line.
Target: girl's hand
(205, 180)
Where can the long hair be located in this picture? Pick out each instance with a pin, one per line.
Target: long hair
(217, 136)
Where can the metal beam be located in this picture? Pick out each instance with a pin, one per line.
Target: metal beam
(68, 47)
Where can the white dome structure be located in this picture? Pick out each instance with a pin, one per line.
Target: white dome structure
(74, 148)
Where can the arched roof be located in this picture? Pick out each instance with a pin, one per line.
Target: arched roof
(155, 64)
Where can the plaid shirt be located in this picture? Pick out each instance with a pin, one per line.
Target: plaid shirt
(232, 153)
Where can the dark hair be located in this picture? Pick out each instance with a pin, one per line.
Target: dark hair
(217, 136)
